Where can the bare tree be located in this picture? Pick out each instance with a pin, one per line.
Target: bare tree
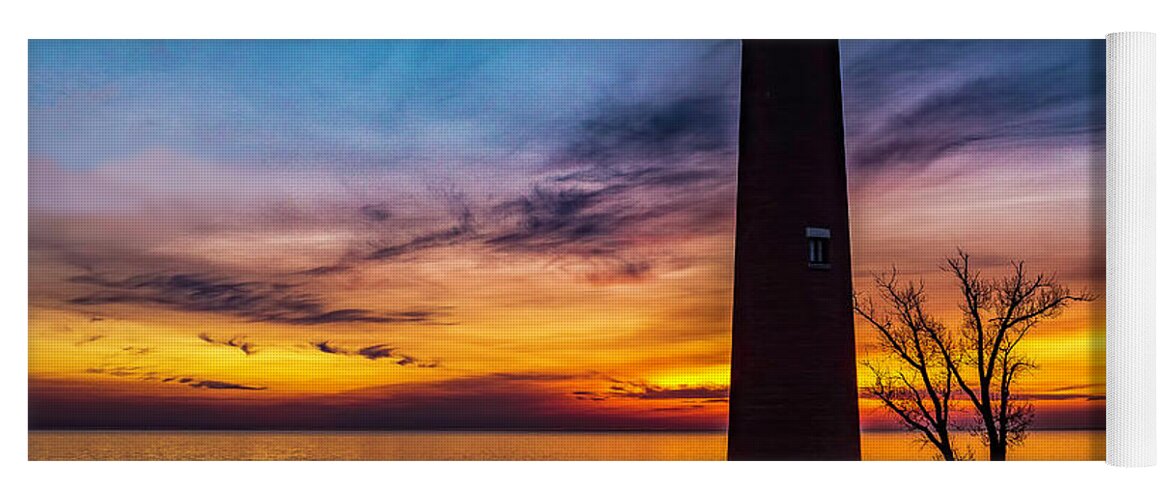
(998, 313)
(979, 356)
(920, 394)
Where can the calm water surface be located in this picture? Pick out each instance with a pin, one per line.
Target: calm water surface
(1040, 445)
(88, 445)
(83, 445)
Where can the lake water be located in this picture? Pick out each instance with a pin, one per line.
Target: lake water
(1040, 445)
(123, 445)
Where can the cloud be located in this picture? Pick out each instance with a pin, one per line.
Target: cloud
(911, 103)
(605, 230)
(462, 231)
(624, 165)
(645, 150)
(510, 400)
(665, 177)
(705, 394)
(248, 348)
(90, 339)
(327, 348)
(324, 270)
(142, 374)
(117, 371)
(376, 212)
(570, 220)
(516, 401)
(621, 135)
(535, 376)
(1098, 385)
(374, 353)
(305, 192)
(643, 390)
(676, 408)
(215, 384)
(253, 300)
(658, 169)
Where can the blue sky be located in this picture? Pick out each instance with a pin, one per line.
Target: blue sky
(374, 104)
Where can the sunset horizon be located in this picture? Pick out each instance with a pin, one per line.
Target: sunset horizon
(509, 235)
(381, 234)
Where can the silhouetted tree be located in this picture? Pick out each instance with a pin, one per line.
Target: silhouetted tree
(979, 356)
(920, 391)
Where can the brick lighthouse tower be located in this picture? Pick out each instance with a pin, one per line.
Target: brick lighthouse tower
(794, 384)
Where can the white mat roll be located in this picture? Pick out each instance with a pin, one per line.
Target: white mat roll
(1130, 249)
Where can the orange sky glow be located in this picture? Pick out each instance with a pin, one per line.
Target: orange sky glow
(438, 262)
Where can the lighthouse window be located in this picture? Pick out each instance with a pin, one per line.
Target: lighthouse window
(818, 239)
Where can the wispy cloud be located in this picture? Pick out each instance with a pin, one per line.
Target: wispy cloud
(662, 160)
(326, 347)
(701, 394)
(911, 103)
(148, 375)
(376, 212)
(89, 339)
(248, 348)
(643, 390)
(460, 232)
(374, 353)
(567, 220)
(216, 384)
(620, 136)
(253, 300)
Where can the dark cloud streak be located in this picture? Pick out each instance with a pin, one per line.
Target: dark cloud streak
(253, 300)
(141, 374)
(463, 230)
(248, 348)
(621, 135)
(374, 353)
(911, 103)
(215, 384)
(662, 160)
(642, 390)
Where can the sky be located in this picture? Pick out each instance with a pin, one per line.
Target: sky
(501, 234)
(998, 148)
(382, 234)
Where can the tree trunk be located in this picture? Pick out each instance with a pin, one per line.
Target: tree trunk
(997, 452)
(945, 448)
